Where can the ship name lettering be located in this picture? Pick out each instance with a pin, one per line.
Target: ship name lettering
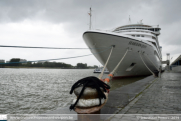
(137, 44)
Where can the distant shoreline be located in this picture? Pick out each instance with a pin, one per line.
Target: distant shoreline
(42, 67)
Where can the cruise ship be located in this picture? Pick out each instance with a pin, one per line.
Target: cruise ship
(141, 41)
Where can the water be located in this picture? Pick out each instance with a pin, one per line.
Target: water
(36, 91)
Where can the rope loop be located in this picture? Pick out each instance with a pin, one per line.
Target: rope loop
(92, 82)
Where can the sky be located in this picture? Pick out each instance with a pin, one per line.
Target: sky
(61, 23)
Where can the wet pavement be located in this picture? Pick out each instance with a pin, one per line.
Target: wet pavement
(120, 97)
(162, 100)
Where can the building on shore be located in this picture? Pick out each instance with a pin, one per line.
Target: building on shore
(176, 64)
(23, 61)
(2, 61)
(41, 62)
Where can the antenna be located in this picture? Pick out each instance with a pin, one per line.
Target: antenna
(141, 21)
(129, 19)
(90, 14)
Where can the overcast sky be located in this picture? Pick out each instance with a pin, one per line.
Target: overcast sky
(61, 23)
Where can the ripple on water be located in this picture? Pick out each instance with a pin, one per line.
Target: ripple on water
(37, 90)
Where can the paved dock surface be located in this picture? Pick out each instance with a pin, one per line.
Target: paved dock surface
(162, 97)
(120, 97)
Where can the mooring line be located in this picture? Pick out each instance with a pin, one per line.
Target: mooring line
(100, 76)
(44, 47)
(145, 64)
(119, 63)
(152, 63)
(57, 58)
(93, 103)
(107, 80)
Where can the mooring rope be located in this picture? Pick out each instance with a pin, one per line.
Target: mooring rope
(152, 63)
(58, 58)
(145, 64)
(119, 63)
(44, 47)
(100, 76)
(107, 80)
(92, 82)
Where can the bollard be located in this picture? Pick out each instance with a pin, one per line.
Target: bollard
(95, 116)
(91, 113)
(92, 95)
(160, 72)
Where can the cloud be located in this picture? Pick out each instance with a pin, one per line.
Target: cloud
(62, 23)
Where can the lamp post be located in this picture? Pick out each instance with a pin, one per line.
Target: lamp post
(168, 59)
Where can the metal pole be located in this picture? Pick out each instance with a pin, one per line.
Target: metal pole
(90, 19)
(160, 72)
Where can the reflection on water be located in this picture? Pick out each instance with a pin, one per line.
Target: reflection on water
(26, 91)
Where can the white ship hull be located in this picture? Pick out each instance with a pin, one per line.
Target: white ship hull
(132, 65)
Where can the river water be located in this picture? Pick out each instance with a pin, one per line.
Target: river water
(36, 91)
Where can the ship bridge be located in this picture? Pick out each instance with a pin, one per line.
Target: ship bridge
(139, 28)
(142, 32)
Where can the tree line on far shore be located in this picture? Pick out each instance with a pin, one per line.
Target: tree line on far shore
(16, 62)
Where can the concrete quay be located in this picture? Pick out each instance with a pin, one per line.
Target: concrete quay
(120, 97)
(162, 99)
(117, 100)
(149, 99)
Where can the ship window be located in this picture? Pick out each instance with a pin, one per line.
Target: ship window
(133, 35)
(138, 35)
(156, 29)
(153, 43)
(153, 38)
(142, 36)
(151, 29)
